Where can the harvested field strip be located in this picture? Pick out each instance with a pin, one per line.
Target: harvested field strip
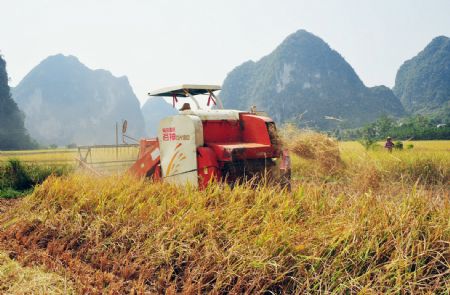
(118, 234)
(15, 279)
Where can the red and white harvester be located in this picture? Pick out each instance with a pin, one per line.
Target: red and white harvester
(202, 145)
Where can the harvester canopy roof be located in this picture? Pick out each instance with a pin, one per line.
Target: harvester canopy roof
(185, 90)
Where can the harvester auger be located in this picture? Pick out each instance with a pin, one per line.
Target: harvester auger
(200, 145)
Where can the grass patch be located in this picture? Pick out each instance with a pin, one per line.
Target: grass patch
(10, 193)
(17, 179)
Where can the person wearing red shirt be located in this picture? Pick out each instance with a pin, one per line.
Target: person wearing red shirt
(389, 144)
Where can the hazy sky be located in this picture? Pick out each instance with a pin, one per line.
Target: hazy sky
(157, 43)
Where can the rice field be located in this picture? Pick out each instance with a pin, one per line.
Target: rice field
(356, 221)
(104, 159)
(55, 156)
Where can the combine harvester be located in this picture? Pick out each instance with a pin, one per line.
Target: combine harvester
(202, 145)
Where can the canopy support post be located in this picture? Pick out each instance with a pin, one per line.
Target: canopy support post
(217, 99)
(193, 98)
(174, 100)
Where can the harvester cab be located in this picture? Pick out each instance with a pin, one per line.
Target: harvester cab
(200, 145)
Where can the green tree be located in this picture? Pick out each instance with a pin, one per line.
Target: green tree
(13, 134)
(368, 136)
(384, 125)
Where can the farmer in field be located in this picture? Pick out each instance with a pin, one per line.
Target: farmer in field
(389, 144)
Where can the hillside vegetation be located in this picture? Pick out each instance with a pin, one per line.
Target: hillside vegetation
(65, 102)
(13, 134)
(307, 82)
(415, 127)
(355, 221)
(423, 82)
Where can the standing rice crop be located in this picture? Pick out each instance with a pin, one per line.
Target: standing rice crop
(123, 235)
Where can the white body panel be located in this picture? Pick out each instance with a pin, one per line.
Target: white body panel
(179, 136)
(206, 115)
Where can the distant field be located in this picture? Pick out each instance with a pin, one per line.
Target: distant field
(104, 159)
(41, 156)
(422, 151)
(130, 153)
(419, 145)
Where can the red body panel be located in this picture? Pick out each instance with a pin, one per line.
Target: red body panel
(247, 138)
(207, 166)
(221, 131)
(148, 163)
(254, 128)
